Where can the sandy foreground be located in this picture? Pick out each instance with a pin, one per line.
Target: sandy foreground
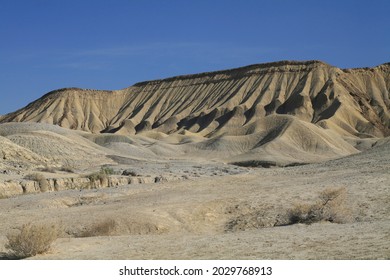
(229, 216)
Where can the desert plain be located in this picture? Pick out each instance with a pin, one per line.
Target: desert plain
(285, 160)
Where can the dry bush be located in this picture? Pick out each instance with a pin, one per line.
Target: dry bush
(43, 184)
(259, 218)
(107, 170)
(103, 228)
(101, 175)
(330, 206)
(117, 226)
(67, 168)
(304, 213)
(48, 169)
(97, 176)
(34, 177)
(31, 240)
(129, 172)
(335, 205)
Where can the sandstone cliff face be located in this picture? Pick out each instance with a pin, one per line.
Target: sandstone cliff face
(352, 102)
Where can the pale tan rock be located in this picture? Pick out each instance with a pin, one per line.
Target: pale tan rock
(8, 189)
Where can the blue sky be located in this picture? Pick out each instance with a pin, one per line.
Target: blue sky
(51, 44)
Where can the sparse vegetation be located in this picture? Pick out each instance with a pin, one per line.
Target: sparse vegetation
(48, 169)
(67, 168)
(330, 206)
(97, 176)
(34, 177)
(102, 228)
(43, 183)
(129, 172)
(31, 240)
(254, 218)
(101, 175)
(107, 170)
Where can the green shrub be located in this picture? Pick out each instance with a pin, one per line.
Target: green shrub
(107, 170)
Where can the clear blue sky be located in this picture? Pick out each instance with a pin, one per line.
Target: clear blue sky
(51, 44)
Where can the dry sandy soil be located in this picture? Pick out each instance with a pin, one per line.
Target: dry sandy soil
(220, 217)
(206, 166)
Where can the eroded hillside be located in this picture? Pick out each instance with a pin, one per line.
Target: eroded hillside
(352, 102)
(267, 114)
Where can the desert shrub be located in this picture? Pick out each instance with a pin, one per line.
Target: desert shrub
(102, 228)
(31, 240)
(97, 176)
(334, 205)
(305, 213)
(43, 184)
(67, 168)
(49, 169)
(129, 172)
(250, 219)
(34, 177)
(101, 175)
(107, 170)
(330, 206)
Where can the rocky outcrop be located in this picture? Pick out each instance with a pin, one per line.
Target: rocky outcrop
(18, 187)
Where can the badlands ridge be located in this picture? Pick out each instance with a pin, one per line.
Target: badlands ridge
(173, 168)
(278, 113)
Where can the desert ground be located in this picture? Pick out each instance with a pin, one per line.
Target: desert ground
(285, 160)
(218, 211)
